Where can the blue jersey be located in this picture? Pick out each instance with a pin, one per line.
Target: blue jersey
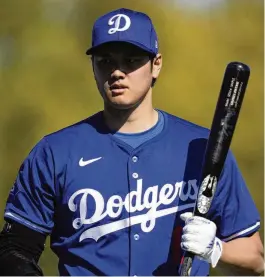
(112, 209)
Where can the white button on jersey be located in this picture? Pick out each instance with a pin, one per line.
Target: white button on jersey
(136, 237)
(135, 175)
(134, 159)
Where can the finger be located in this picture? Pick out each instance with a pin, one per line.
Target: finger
(191, 237)
(192, 247)
(185, 216)
(200, 230)
(197, 220)
(191, 229)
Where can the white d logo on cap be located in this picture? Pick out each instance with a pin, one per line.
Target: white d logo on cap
(116, 20)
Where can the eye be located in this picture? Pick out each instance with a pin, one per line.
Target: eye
(133, 60)
(105, 61)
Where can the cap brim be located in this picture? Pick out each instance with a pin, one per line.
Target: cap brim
(92, 50)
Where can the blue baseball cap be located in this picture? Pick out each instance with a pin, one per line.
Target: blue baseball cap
(124, 25)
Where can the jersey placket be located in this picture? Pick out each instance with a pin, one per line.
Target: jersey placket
(134, 234)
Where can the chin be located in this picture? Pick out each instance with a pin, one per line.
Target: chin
(122, 102)
(122, 105)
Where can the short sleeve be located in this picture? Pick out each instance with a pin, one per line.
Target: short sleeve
(31, 200)
(233, 209)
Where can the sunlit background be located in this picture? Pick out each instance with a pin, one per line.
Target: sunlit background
(46, 81)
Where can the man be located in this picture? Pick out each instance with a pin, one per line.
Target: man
(115, 190)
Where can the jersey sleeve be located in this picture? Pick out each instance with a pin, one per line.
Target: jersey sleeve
(233, 209)
(31, 199)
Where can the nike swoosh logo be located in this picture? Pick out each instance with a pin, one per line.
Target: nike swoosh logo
(84, 163)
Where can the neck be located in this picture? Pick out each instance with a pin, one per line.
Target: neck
(135, 120)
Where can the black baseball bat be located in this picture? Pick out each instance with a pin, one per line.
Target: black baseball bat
(222, 129)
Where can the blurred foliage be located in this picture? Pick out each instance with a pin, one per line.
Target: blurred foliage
(46, 81)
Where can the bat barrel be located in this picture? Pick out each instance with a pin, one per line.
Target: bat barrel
(226, 114)
(233, 86)
(222, 129)
(223, 126)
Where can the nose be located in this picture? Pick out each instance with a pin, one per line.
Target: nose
(118, 74)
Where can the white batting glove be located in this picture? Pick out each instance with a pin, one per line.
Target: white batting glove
(199, 238)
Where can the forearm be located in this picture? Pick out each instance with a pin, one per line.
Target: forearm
(14, 262)
(20, 250)
(243, 256)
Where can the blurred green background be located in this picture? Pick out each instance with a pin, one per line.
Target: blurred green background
(46, 81)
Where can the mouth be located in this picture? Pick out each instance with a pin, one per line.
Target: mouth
(118, 88)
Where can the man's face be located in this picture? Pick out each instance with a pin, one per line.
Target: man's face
(123, 74)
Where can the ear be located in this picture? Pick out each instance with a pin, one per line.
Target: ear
(157, 65)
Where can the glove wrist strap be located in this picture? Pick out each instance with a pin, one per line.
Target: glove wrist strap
(216, 252)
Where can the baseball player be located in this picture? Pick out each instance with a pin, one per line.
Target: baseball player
(116, 191)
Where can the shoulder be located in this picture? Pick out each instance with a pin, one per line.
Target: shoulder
(63, 144)
(79, 131)
(185, 127)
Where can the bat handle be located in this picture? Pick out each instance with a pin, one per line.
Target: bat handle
(186, 265)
